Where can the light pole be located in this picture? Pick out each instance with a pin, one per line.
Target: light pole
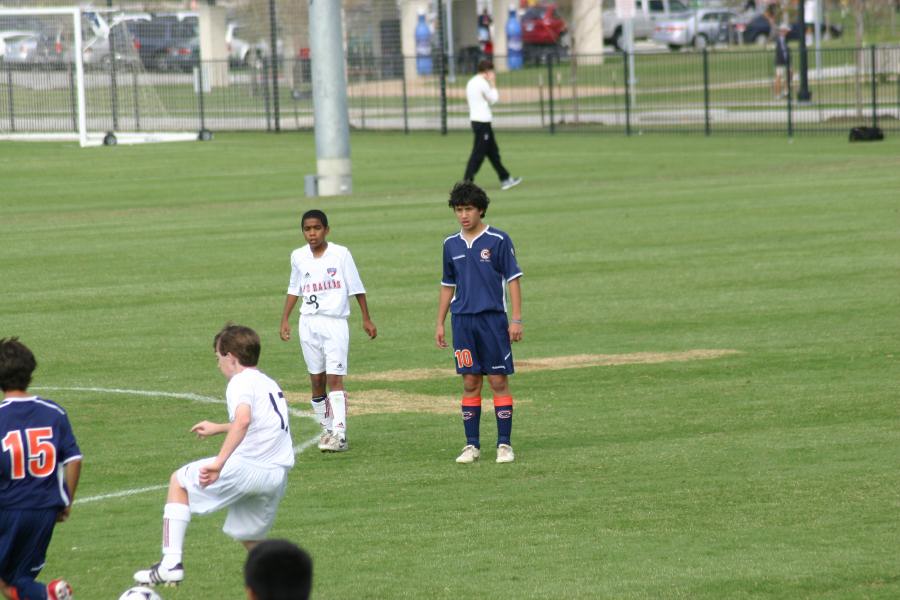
(803, 94)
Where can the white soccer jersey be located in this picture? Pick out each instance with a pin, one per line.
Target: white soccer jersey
(268, 439)
(480, 96)
(325, 283)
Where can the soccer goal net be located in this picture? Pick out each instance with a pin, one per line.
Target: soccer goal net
(77, 75)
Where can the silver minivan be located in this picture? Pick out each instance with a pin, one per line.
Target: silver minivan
(700, 28)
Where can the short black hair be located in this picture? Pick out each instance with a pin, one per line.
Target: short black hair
(314, 214)
(485, 65)
(466, 193)
(17, 363)
(278, 570)
(242, 342)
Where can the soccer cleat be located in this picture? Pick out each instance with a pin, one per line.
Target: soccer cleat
(469, 455)
(324, 440)
(335, 443)
(59, 589)
(510, 183)
(505, 454)
(158, 574)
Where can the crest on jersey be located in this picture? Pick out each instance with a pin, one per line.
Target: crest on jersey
(486, 254)
(332, 271)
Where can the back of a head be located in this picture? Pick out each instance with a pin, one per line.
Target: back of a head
(485, 65)
(278, 570)
(17, 363)
(242, 342)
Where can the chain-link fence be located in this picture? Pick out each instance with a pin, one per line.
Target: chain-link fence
(688, 92)
(144, 71)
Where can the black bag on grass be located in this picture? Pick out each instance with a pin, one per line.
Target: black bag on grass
(866, 134)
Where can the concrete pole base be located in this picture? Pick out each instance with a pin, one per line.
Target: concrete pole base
(334, 176)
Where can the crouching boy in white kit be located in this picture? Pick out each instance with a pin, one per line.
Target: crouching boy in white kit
(249, 474)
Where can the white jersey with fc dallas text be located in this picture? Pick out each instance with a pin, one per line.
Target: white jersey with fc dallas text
(324, 283)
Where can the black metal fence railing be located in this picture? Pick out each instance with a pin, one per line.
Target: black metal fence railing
(706, 92)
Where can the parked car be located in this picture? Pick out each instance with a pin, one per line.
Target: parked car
(167, 42)
(44, 48)
(97, 48)
(543, 32)
(239, 50)
(646, 14)
(16, 27)
(758, 30)
(51, 43)
(699, 28)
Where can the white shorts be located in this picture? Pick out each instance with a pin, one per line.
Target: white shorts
(325, 342)
(250, 492)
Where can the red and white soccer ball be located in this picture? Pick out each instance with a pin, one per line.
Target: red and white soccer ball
(140, 592)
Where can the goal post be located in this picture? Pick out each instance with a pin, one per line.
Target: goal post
(47, 94)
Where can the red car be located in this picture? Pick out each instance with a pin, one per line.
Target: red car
(542, 26)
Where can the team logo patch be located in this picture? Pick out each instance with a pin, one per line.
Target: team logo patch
(332, 271)
(504, 414)
(486, 254)
(468, 415)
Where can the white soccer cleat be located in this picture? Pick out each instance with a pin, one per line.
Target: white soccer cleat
(324, 440)
(335, 443)
(469, 455)
(59, 589)
(160, 575)
(510, 183)
(505, 454)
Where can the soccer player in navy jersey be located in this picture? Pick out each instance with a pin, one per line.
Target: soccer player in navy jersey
(39, 468)
(479, 266)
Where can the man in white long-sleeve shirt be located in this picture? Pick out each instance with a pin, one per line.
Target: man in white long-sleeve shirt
(481, 93)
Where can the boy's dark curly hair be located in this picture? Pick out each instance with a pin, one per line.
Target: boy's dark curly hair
(466, 193)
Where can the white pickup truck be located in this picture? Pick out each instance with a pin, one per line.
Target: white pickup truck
(646, 14)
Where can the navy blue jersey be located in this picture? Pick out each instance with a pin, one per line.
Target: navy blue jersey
(479, 271)
(36, 440)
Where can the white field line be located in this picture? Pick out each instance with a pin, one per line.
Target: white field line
(182, 396)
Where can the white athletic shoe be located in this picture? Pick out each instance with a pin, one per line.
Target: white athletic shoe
(59, 589)
(510, 183)
(469, 455)
(158, 574)
(505, 454)
(335, 443)
(324, 440)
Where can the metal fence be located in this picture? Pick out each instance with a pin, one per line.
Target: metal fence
(707, 92)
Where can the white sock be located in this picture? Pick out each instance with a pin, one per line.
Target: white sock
(322, 409)
(338, 403)
(175, 521)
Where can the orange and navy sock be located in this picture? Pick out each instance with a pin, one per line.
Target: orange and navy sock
(471, 414)
(503, 409)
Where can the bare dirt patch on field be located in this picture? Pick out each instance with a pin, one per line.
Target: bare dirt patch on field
(387, 402)
(392, 401)
(555, 363)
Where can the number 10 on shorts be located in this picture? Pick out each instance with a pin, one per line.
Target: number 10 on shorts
(463, 358)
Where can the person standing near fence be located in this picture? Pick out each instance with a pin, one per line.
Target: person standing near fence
(481, 93)
(782, 63)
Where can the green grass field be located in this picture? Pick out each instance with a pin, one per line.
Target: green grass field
(767, 473)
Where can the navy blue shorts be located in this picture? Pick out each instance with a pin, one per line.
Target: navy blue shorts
(24, 538)
(481, 344)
